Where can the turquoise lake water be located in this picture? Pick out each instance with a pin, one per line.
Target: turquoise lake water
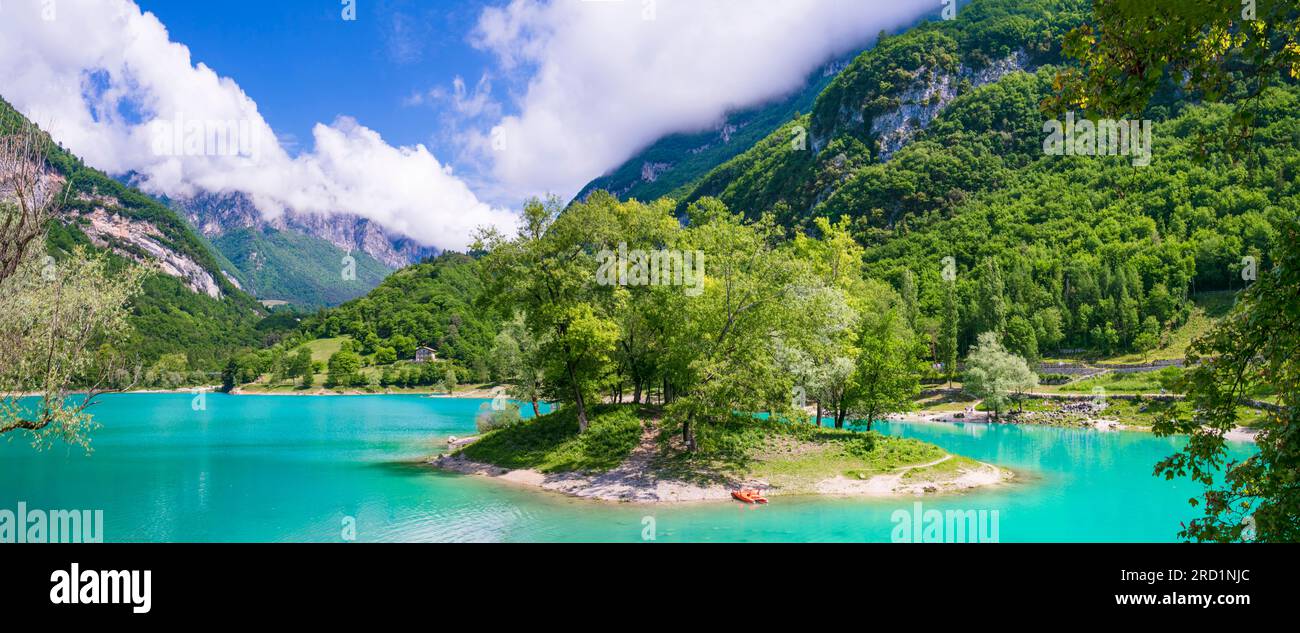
(294, 468)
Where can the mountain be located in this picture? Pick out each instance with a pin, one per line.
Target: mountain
(298, 269)
(676, 161)
(883, 100)
(930, 146)
(215, 214)
(191, 305)
(296, 257)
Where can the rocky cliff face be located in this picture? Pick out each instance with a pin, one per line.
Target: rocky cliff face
(135, 239)
(143, 242)
(216, 214)
(929, 94)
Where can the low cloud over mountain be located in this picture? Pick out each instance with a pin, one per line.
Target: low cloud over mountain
(109, 83)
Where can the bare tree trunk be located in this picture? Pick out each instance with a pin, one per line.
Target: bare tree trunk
(819, 413)
(577, 398)
(23, 182)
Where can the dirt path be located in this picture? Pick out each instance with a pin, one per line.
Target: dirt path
(888, 483)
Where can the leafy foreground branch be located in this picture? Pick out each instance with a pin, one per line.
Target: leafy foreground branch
(1257, 346)
(1231, 52)
(57, 316)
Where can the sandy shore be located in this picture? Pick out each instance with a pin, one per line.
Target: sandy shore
(1239, 434)
(621, 484)
(894, 485)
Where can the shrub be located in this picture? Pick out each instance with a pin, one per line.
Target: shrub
(490, 419)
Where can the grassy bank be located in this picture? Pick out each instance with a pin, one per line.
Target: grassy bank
(788, 457)
(552, 444)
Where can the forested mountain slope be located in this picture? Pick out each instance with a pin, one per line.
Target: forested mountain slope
(884, 99)
(931, 148)
(190, 306)
(434, 303)
(931, 145)
(296, 257)
(299, 269)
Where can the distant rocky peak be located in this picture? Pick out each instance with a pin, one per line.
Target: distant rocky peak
(215, 214)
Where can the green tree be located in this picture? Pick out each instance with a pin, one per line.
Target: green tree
(1021, 339)
(53, 314)
(888, 374)
(907, 290)
(992, 300)
(300, 364)
(1124, 55)
(385, 356)
(1148, 337)
(344, 366)
(170, 371)
(404, 346)
(1131, 50)
(827, 363)
(948, 331)
(1253, 349)
(230, 376)
(450, 380)
(517, 359)
(549, 271)
(722, 356)
(995, 375)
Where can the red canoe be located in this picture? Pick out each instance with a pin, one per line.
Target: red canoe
(748, 496)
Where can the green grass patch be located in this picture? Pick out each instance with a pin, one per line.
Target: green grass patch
(1116, 382)
(944, 402)
(1207, 309)
(323, 348)
(790, 456)
(551, 443)
(1144, 413)
(941, 471)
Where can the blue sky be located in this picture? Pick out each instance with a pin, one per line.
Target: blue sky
(430, 117)
(303, 64)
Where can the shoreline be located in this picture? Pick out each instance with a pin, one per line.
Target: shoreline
(634, 483)
(465, 395)
(468, 394)
(1238, 434)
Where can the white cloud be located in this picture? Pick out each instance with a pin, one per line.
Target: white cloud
(464, 104)
(590, 83)
(101, 72)
(608, 78)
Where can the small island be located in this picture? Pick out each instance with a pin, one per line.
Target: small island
(630, 453)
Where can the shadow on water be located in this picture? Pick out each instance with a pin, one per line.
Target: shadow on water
(403, 468)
